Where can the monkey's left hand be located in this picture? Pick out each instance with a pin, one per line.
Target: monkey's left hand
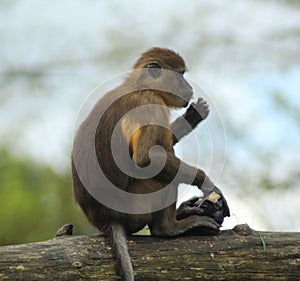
(217, 209)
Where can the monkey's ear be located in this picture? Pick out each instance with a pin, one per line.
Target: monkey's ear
(154, 69)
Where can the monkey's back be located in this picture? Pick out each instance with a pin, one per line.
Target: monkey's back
(97, 129)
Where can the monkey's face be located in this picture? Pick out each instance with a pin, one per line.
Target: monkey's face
(181, 92)
(169, 84)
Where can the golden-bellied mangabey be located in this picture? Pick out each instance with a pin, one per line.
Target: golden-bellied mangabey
(135, 125)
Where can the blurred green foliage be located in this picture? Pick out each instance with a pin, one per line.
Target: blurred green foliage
(35, 201)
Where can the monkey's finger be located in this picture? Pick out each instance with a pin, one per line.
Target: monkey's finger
(189, 202)
(201, 104)
(186, 211)
(200, 100)
(203, 107)
(225, 207)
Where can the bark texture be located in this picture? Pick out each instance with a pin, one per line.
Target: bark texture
(237, 254)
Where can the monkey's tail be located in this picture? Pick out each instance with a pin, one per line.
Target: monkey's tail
(118, 240)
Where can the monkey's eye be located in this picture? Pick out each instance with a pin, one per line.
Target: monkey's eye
(154, 69)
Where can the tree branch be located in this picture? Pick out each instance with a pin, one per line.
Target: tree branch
(238, 254)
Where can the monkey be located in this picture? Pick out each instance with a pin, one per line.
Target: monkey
(148, 139)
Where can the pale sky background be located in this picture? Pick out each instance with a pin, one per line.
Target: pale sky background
(242, 53)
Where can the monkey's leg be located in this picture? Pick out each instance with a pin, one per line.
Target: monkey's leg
(187, 209)
(165, 224)
(186, 174)
(195, 113)
(174, 169)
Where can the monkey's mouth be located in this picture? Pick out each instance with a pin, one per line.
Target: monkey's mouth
(187, 99)
(186, 104)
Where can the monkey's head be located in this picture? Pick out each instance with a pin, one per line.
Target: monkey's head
(162, 71)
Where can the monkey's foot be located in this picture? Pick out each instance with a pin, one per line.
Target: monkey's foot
(188, 208)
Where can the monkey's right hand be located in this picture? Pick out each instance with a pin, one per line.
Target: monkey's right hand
(196, 112)
(222, 202)
(214, 205)
(208, 188)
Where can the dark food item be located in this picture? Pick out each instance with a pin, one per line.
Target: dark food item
(214, 206)
(214, 210)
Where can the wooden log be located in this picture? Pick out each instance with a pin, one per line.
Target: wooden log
(237, 254)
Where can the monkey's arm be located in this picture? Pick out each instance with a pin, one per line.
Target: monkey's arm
(144, 141)
(195, 113)
(174, 169)
(178, 171)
